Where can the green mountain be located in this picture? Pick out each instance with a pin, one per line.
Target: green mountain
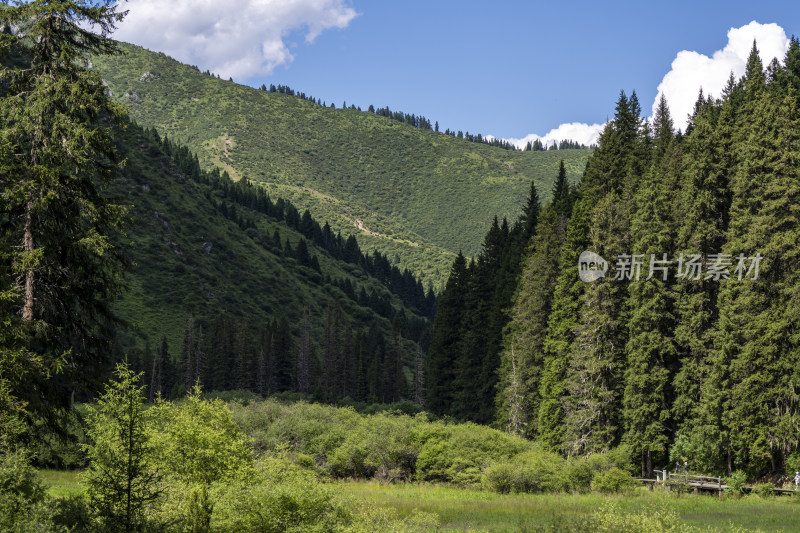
(217, 258)
(416, 195)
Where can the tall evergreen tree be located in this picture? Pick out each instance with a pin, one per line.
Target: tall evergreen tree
(523, 355)
(594, 377)
(56, 234)
(446, 332)
(650, 347)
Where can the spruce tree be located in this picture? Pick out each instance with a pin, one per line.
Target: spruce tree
(523, 355)
(650, 347)
(447, 327)
(592, 405)
(57, 119)
(121, 479)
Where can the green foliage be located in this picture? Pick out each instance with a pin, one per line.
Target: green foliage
(613, 481)
(609, 519)
(532, 471)
(284, 498)
(412, 190)
(121, 479)
(764, 490)
(59, 227)
(21, 492)
(736, 482)
(197, 441)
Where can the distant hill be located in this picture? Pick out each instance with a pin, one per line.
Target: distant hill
(416, 195)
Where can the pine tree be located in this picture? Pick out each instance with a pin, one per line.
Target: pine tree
(650, 348)
(561, 324)
(305, 357)
(523, 356)
(756, 347)
(704, 201)
(187, 354)
(56, 137)
(593, 404)
(419, 377)
(331, 356)
(120, 478)
(447, 328)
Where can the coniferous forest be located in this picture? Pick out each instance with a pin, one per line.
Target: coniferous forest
(183, 351)
(687, 363)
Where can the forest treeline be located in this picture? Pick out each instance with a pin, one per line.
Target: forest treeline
(701, 367)
(422, 122)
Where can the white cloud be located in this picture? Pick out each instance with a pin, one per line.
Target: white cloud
(575, 131)
(691, 70)
(232, 38)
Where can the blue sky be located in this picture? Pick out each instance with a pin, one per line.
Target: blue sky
(503, 68)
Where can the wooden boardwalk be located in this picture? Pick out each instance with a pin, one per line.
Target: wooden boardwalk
(667, 480)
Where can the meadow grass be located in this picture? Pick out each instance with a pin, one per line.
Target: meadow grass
(478, 510)
(461, 509)
(61, 483)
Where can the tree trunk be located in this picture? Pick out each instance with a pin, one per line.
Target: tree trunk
(649, 464)
(644, 464)
(730, 462)
(30, 278)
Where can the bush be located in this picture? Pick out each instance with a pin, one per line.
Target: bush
(455, 453)
(197, 441)
(21, 492)
(72, 513)
(59, 450)
(501, 477)
(736, 483)
(281, 496)
(765, 490)
(533, 471)
(613, 481)
(609, 519)
(579, 475)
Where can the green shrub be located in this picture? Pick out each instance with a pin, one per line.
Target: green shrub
(765, 490)
(613, 481)
(533, 471)
(280, 496)
(21, 491)
(736, 482)
(451, 452)
(609, 519)
(578, 474)
(62, 450)
(501, 477)
(792, 464)
(72, 513)
(197, 441)
(243, 397)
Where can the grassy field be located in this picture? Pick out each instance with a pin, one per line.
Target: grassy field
(61, 483)
(477, 510)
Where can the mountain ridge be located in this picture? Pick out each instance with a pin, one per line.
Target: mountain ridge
(425, 194)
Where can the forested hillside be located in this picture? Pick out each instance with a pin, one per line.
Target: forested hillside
(694, 353)
(240, 291)
(417, 195)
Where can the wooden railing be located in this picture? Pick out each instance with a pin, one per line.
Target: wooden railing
(697, 482)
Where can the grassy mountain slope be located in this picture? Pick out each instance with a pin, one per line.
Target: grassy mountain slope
(192, 259)
(418, 196)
